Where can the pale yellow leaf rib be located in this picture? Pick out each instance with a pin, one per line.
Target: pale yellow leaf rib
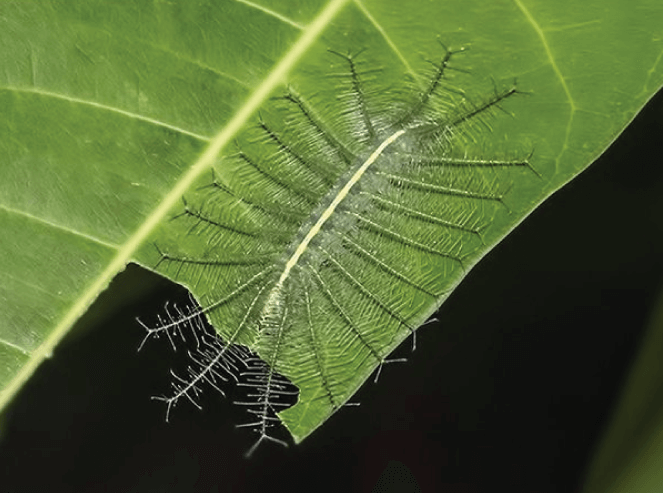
(386, 37)
(60, 227)
(272, 13)
(14, 347)
(104, 107)
(558, 73)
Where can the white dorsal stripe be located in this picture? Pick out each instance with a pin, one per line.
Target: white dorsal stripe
(301, 248)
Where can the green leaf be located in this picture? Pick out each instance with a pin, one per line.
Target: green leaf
(630, 454)
(113, 113)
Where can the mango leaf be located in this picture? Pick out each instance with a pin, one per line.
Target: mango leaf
(321, 233)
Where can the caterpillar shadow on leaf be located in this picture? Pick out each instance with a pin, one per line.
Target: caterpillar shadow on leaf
(328, 237)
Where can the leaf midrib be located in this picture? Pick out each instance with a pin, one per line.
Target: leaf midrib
(204, 162)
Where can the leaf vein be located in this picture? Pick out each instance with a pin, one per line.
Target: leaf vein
(558, 73)
(272, 13)
(112, 109)
(59, 226)
(14, 346)
(386, 37)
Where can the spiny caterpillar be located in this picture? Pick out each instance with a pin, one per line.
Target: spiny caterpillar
(322, 246)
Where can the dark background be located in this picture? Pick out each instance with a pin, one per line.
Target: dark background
(509, 391)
